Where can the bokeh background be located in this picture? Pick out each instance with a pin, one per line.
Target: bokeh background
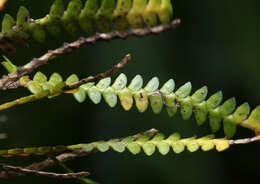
(217, 44)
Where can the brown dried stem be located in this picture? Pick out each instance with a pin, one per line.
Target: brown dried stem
(245, 141)
(68, 47)
(23, 171)
(100, 76)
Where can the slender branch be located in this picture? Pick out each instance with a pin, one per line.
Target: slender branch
(68, 47)
(67, 169)
(100, 76)
(20, 170)
(66, 157)
(245, 141)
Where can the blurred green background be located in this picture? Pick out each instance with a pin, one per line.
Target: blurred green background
(217, 44)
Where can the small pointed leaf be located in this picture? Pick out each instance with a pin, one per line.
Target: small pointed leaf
(40, 77)
(104, 83)
(80, 95)
(215, 100)
(110, 97)
(168, 87)
(120, 82)
(136, 84)
(200, 95)
(152, 85)
(72, 79)
(148, 148)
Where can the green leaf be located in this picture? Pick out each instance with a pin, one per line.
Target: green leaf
(254, 118)
(120, 82)
(214, 120)
(126, 99)
(241, 113)
(22, 17)
(163, 148)
(87, 86)
(9, 66)
(186, 108)
(171, 105)
(87, 16)
(152, 85)
(72, 79)
(55, 79)
(120, 13)
(7, 24)
(40, 77)
(178, 147)
(110, 97)
(80, 95)
(37, 32)
(207, 145)
(57, 9)
(102, 146)
(104, 83)
(158, 137)
(200, 113)
(94, 95)
(229, 127)
(117, 146)
(199, 95)
(184, 90)
(228, 107)
(174, 137)
(215, 100)
(34, 87)
(136, 83)
(221, 145)
(141, 101)
(148, 148)
(134, 148)
(168, 87)
(103, 16)
(193, 146)
(156, 103)
(88, 147)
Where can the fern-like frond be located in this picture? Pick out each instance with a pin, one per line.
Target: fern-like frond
(196, 103)
(133, 145)
(211, 109)
(79, 16)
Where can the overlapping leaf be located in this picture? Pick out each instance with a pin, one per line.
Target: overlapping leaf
(133, 145)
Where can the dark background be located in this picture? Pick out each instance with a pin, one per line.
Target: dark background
(217, 44)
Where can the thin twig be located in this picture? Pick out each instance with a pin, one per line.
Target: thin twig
(66, 157)
(100, 76)
(21, 170)
(67, 169)
(245, 141)
(68, 47)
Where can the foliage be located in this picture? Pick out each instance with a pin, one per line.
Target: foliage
(123, 15)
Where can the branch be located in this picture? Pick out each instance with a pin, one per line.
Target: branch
(68, 47)
(22, 171)
(65, 157)
(245, 141)
(34, 97)
(100, 76)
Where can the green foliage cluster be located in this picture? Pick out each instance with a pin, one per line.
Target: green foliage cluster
(196, 103)
(134, 146)
(78, 16)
